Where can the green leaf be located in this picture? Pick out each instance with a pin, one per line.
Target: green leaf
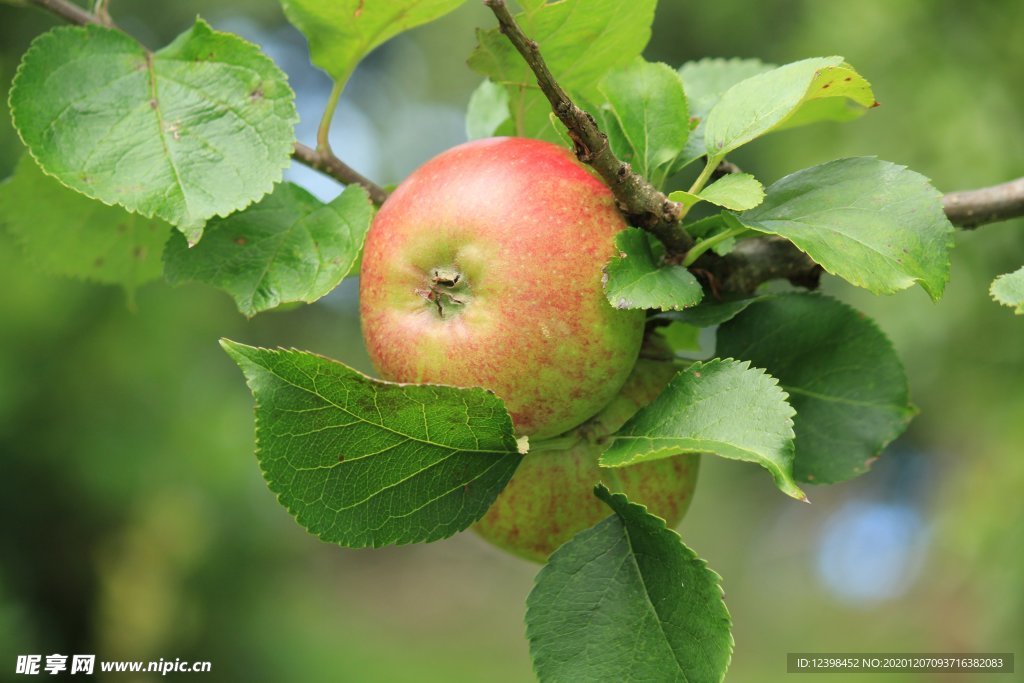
(530, 6)
(288, 247)
(626, 600)
(203, 127)
(341, 32)
(817, 89)
(633, 279)
(649, 106)
(712, 313)
(684, 197)
(1008, 290)
(705, 82)
(873, 223)
(581, 40)
(681, 337)
(362, 463)
(723, 407)
(488, 110)
(66, 233)
(709, 225)
(736, 191)
(841, 373)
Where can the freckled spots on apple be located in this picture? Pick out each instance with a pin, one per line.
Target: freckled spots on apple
(484, 268)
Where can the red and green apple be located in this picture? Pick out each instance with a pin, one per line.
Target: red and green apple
(483, 268)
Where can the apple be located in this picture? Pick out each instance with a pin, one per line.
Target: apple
(551, 495)
(483, 268)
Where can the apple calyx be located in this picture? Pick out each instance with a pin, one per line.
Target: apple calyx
(446, 290)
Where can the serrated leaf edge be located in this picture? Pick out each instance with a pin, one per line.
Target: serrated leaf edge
(908, 411)
(914, 280)
(1018, 308)
(602, 492)
(235, 351)
(778, 476)
(197, 232)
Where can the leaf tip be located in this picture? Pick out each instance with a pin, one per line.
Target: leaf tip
(232, 348)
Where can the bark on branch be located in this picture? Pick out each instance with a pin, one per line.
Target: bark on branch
(328, 164)
(68, 11)
(643, 204)
(970, 208)
(760, 259)
(754, 260)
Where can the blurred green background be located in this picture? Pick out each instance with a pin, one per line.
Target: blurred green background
(135, 523)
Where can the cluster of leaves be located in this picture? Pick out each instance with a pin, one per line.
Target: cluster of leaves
(131, 149)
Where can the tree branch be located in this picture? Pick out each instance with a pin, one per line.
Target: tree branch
(760, 259)
(328, 164)
(970, 208)
(68, 11)
(644, 205)
(754, 261)
(321, 160)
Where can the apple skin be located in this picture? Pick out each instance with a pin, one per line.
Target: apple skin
(551, 495)
(483, 268)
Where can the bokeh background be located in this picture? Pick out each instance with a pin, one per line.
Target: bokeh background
(134, 522)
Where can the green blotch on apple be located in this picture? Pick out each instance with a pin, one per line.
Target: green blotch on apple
(484, 269)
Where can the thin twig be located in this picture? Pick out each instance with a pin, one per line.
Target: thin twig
(644, 205)
(331, 165)
(101, 10)
(68, 11)
(970, 208)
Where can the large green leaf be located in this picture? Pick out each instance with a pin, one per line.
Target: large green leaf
(288, 247)
(581, 40)
(341, 32)
(66, 233)
(634, 279)
(649, 108)
(817, 89)
(841, 373)
(723, 407)
(626, 600)
(1008, 290)
(360, 462)
(873, 223)
(705, 82)
(203, 127)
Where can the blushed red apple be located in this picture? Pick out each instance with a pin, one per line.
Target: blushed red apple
(551, 495)
(483, 268)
